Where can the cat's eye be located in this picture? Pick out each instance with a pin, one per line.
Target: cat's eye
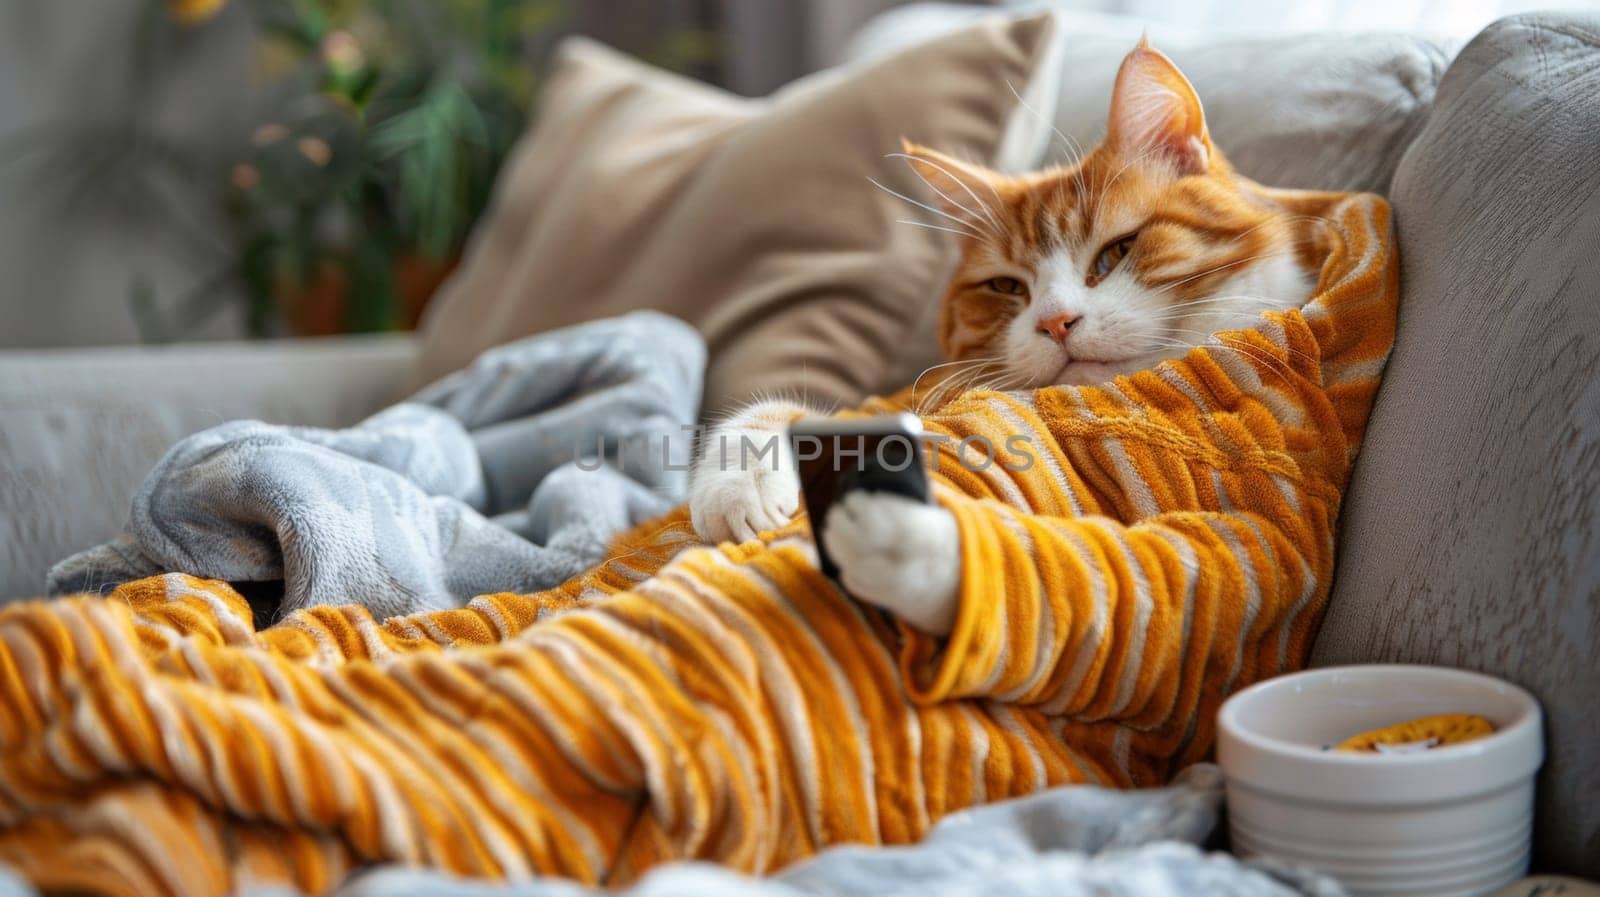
(1007, 285)
(1110, 256)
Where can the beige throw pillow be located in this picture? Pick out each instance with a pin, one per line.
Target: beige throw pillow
(752, 219)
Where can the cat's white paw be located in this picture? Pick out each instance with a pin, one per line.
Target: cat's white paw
(899, 554)
(745, 482)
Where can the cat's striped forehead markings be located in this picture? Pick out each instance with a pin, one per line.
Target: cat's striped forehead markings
(1068, 208)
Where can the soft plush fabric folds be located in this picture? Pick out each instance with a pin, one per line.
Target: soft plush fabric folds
(509, 475)
(1173, 542)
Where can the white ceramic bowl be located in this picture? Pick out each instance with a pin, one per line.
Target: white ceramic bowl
(1448, 822)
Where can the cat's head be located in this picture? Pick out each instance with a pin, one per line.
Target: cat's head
(1139, 251)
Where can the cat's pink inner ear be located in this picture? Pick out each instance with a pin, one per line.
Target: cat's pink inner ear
(1156, 114)
(961, 189)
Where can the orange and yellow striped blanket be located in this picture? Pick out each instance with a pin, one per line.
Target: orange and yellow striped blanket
(1173, 543)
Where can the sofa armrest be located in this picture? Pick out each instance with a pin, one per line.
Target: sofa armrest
(1471, 528)
(80, 428)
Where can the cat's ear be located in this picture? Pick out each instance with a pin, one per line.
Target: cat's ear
(1156, 114)
(960, 188)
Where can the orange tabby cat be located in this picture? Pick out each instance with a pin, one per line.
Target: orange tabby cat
(1138, 253)
(1072, 275)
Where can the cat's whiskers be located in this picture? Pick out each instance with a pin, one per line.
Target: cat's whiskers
(1074, 149)
(1268, 361)
(1157, 343)
(1167, 288)
(1240, 304)
(979, 379)
(1012, 383)
(988, 359)
(937, 211)
(1207, 334)
(1185, 346)
(1215, 341)
(988, 212)
(974, 363)
(1280, 219)
(955, 385)
(1231, 297)
(949, 230)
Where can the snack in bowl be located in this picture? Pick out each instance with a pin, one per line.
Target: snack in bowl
(1421, 734)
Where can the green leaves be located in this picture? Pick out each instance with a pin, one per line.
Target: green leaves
(417, 104)
(435, 148)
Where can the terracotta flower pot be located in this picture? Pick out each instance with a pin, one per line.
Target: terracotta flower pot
(320, 306)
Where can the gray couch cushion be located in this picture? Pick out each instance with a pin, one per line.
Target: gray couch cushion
(80, 428)
(1472, 527)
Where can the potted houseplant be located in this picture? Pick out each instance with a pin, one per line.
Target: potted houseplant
(352, 203)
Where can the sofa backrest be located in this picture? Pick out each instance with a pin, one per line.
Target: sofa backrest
(1471, 531)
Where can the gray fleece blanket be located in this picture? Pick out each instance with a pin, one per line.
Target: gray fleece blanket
(511, 475)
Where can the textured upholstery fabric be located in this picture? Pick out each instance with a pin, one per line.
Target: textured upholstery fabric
(79, 429)
(754, 220)
(1472, 528)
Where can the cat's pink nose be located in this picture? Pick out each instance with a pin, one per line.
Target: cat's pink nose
(1058, 327)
